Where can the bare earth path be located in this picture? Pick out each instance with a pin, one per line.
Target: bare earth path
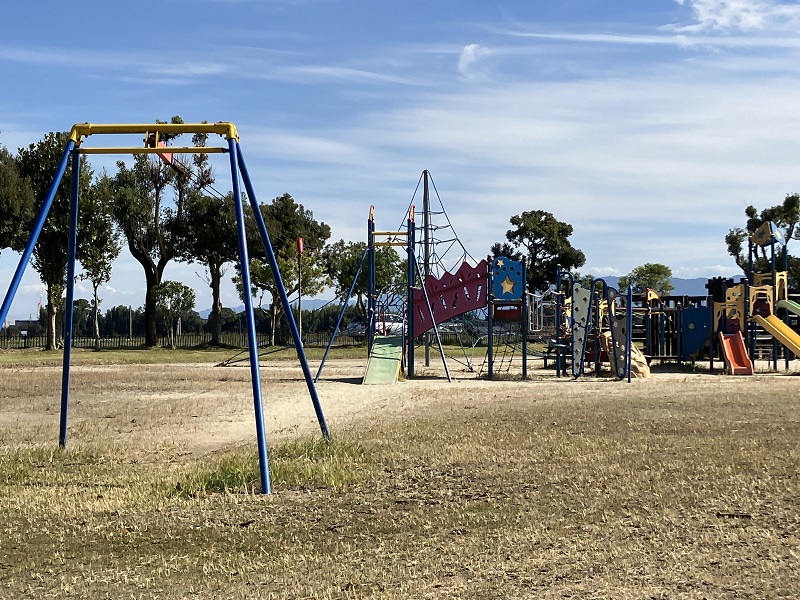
(176, 410)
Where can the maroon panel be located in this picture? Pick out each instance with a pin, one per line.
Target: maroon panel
(452, 295)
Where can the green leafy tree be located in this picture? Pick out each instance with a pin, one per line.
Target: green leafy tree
(148, 214)
(173, 299)
(81, 311)
(286, 220)
(38, 163)
(544, 240)
(505, 249)
(654, 276)
(122, 321)
(208, 236)
(100, 243)
(586, 281)
(16, 204)
(229, 320)
(341, 260)
(786, 215)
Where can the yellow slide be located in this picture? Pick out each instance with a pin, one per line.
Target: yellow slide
(781, 332)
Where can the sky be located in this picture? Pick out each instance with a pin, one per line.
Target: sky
(648, 126)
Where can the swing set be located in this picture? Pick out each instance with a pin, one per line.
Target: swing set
(154, 144)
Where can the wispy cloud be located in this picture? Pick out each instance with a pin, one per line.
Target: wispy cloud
(339, 73)
(679, 40)
(187, 68)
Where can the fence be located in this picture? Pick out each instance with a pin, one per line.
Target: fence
(187, 340)
(234, 340)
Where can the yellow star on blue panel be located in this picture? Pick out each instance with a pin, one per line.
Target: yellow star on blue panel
(500, 263)
(508, 285)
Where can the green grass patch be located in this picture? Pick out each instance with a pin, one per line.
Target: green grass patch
(299, 464)
(40, 465)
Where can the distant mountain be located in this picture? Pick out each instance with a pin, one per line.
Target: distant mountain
(689, 287)
(683, 287)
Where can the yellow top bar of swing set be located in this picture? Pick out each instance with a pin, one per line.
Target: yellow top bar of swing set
(160, 150)
(82, 130)
(390, 233)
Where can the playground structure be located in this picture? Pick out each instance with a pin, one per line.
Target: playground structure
(733, 323)
(434, 296)
(751, 317)
(153, 144)
(595, 328)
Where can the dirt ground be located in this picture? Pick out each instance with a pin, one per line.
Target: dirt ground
(683, 485)
(178, 410)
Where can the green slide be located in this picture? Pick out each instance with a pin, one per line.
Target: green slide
(790, 305)
(383, 366)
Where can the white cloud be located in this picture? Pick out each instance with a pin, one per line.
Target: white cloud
(468, 58)
(742, 15)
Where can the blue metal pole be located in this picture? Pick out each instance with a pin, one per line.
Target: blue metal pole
(255, 375)
(560, 304)
(372, 300)
(629, 327)
(68, 317)
(525, 318)
(287, 309)
(490, 318)
(341, 315)
(37, 229)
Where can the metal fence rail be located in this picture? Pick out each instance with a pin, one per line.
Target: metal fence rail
(187, 340)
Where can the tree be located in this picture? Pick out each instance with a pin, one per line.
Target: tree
(505, 249)
(16, 203)
(786, 215)
(286, 220)
(80, 316)
(341, 261)
(38, 163)
(100, 243)
(587, 281)
(545, 241)
(654, 276)
(208, 236)
(121, 320)
(149, 219)
(173, 299)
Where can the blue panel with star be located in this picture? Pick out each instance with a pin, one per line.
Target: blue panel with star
(768, 233)
(507, 277)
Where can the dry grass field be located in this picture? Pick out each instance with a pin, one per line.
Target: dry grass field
(684, 485)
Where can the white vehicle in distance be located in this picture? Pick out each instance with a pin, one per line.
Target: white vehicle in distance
(388, 324)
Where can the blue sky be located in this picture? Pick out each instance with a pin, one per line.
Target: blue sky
(648, 126)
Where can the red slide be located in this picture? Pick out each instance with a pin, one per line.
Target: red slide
(735, 354)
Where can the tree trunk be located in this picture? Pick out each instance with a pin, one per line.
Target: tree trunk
(95, 318)
(52, 309)
(274, 315)
(150, 332)
(216, 305)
